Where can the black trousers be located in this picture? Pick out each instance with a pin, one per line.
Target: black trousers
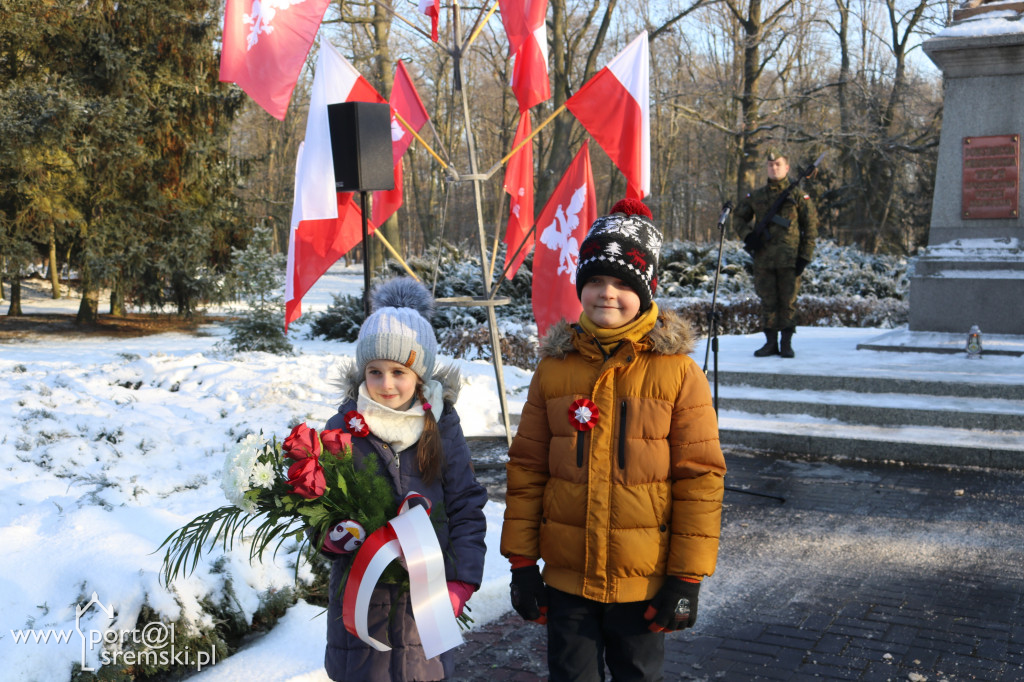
(584, 635)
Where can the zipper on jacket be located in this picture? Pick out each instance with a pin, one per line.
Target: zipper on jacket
(580, 436)
(622, 435)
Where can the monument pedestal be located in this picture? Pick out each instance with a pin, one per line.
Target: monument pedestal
(972, 272)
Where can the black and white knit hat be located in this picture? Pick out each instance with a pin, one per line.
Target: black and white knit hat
(399, 327)
(624, 244)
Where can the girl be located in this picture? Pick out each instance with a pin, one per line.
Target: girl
(399, 410)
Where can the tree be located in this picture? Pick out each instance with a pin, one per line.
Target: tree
(258, 277)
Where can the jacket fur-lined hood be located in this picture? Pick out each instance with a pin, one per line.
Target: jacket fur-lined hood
(672, 335)
(347, 380)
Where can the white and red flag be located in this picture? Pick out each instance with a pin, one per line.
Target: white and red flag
(432, 8)
(325, 224)
(406, 102)
(265, 44)
(528, 45)
(519, 185)
(561, 228)
(614, 107)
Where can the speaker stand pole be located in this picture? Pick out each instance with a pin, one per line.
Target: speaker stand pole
(366, 256)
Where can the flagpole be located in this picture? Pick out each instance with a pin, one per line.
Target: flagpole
(423, 142)
(497, 239)
(383, 240)
(480, 25)
(509, 261)
(494, 169)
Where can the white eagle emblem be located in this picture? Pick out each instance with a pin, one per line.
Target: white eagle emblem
(262, 18)
(558, 236)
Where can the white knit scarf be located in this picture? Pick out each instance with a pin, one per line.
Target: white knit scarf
(399, 428)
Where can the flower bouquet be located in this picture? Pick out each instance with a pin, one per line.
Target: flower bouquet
(310, 481)
(278, 490)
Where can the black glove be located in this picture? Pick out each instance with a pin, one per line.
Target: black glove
(674, 607)
(529, 596)
(801, 263)
(751, 243)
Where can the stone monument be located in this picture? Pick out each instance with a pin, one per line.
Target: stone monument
(972, 271)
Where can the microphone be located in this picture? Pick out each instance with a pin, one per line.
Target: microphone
(726, 209)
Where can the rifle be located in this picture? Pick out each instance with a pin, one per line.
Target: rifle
(761, 235)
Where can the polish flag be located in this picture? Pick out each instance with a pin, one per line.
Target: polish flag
(432, 8)
(265, 46)
(528, 45)
(614, 107)
(407, 103)
(519, 185)
(561, 227)
(325, 223)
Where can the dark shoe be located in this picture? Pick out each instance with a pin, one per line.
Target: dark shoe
(786, 347)
(771, 347)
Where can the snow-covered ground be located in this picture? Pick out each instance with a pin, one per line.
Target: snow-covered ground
(108, 445)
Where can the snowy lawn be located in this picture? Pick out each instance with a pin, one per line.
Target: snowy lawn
(109, 445)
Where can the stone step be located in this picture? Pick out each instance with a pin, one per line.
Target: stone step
(911, 444)
(879, 409)
(983, 388)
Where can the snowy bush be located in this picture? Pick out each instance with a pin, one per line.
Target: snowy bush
(341, 321)
(256, 275)
(842, 287)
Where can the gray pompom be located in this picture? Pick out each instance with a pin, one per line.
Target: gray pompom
(403, 292)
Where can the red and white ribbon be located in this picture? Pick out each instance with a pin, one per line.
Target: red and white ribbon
(409, 536)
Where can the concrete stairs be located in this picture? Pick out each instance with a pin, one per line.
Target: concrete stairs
(879, 418)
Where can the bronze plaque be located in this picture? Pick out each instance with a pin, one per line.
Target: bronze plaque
(991, 176)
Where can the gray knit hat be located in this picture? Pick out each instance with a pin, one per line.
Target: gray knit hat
(398, 328)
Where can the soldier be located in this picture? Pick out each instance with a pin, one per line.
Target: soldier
(781, 254)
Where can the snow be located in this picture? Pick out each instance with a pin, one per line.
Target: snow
(991, 23)
(108, 445)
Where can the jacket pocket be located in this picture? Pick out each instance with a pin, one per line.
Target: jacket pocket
(622, 435)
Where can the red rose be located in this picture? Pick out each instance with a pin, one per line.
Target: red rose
(301, 443)
(306, 478)
(336, 441)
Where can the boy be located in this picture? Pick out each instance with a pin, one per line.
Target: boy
(615, 476)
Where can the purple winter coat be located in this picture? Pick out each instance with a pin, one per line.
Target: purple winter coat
(461, 538)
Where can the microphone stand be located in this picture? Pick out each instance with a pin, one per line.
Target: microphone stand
(713, 314)
(713, 317)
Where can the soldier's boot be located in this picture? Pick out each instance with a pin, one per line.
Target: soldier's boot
(786, 346)
(769, 348)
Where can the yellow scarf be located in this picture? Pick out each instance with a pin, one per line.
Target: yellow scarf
(634, 331)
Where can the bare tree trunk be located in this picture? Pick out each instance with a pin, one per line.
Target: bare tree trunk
(54, 268)
(15, 307)
(750, 117)
(89, 308)
(117, 308)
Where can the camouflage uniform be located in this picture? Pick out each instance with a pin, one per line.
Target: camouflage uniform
(775, 278)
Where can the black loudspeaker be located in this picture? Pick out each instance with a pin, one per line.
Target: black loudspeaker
(361, 146)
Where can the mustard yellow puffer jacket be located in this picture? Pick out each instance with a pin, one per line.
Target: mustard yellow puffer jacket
(646, 499)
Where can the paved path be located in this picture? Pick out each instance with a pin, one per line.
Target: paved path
(867, 571)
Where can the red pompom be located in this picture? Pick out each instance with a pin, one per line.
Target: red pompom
(631, 206)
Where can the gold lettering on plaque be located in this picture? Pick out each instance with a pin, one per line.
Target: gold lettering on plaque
(990, 177)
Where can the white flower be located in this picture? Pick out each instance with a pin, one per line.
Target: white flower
(239, 467)
(235, 483)
(262, 475)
